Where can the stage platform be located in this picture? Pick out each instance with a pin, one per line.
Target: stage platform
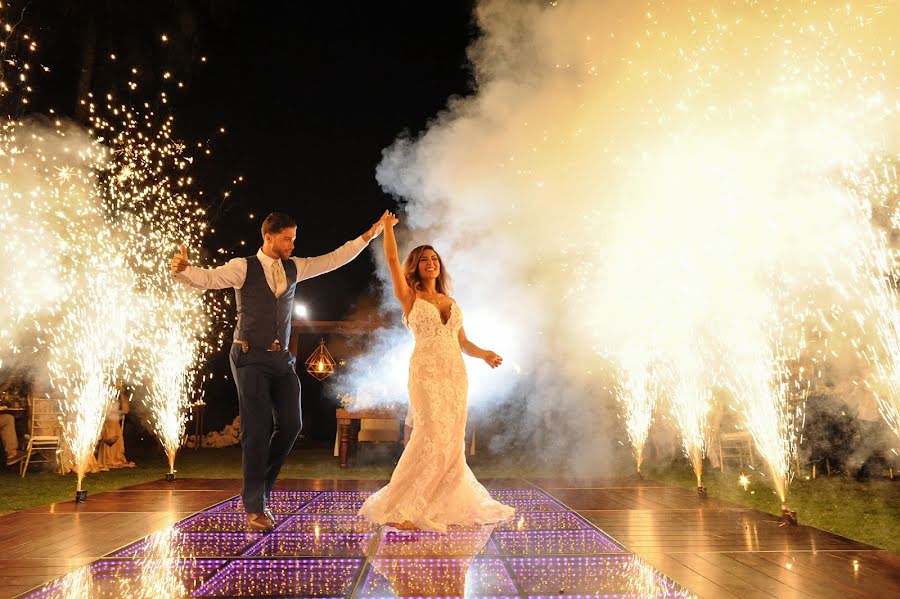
(602, 538)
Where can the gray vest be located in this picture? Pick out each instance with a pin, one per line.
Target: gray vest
(261, 317)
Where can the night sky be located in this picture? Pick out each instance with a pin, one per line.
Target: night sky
(309, 94)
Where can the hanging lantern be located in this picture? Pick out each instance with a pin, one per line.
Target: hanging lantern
(320, 364)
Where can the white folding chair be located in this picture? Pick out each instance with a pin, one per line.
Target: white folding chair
(736, 446)
(45, 429)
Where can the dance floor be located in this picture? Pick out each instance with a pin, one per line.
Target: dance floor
(320, 548)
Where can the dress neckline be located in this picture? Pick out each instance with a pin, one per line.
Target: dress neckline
(436, 309)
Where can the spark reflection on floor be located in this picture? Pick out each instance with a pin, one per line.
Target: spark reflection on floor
(320, 548)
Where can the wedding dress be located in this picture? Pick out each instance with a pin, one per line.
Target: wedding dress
(432, 487)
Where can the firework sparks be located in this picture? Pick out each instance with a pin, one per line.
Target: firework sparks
(108, 206)
(87, 357)
(637, 395)
(642, 580)
(171, 375)
(691, 402)
(147, 185)
(87, 331)
(874, 193)
(17, 50)
(769, 397)
(713, 221)
(158, 567)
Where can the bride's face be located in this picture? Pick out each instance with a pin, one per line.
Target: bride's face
(429, 265)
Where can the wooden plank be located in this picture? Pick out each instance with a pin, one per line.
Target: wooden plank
(811, 570)
(636, 498)
(94, 538)
(745, 530)
(881, 564)
(724, 574)
(783, 573)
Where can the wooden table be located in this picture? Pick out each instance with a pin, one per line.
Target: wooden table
(349, 424)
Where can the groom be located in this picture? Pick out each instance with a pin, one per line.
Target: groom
(263, 368)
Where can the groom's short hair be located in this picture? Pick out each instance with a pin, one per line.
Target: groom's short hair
(276, 221)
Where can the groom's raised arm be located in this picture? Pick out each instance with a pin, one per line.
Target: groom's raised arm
(308, 268)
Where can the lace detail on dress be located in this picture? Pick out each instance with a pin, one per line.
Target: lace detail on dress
(432, 486)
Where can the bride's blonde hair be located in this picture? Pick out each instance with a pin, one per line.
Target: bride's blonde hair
(411, 270)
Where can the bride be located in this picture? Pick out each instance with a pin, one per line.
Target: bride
(432, 487)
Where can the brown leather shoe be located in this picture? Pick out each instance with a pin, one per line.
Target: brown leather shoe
(15, 457)
(405, 525)
(259, 522)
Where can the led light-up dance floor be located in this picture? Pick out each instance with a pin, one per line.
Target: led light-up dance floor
(320, 548)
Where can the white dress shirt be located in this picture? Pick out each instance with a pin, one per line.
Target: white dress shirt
(234, 272)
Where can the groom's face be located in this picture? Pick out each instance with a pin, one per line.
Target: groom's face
(282, 242)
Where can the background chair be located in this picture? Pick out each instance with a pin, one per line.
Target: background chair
(736, 446)
(44, 430)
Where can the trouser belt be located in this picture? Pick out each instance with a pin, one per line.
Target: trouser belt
(245, 345)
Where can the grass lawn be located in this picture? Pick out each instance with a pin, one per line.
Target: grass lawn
(868, 512)
(41, 487)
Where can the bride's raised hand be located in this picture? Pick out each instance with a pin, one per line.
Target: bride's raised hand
(389, 219)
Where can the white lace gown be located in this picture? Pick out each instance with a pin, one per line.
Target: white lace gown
(432, 486)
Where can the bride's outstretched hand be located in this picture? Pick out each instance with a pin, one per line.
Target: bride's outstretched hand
(492, 359)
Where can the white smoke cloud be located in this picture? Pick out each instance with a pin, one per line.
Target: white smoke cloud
(633, 179)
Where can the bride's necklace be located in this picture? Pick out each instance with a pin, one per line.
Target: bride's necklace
(434, 298)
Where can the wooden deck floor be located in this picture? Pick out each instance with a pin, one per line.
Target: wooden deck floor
(715, 549)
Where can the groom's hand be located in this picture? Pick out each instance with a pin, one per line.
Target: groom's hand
(375, 230)
(180, 261)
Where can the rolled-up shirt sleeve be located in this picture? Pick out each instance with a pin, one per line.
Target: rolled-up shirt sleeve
(231, 274)
(308, 268)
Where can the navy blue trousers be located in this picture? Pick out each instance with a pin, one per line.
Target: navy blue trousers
(269, 402)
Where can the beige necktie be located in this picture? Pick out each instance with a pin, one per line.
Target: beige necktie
(279, 278)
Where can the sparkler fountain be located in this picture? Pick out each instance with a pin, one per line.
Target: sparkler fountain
(691, 401)
(769, 396)
(637, 395)
(86, 367)
(170, 379)
(148, 186)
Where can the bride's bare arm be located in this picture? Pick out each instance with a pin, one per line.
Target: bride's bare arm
(470, 349)
(402, 290)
